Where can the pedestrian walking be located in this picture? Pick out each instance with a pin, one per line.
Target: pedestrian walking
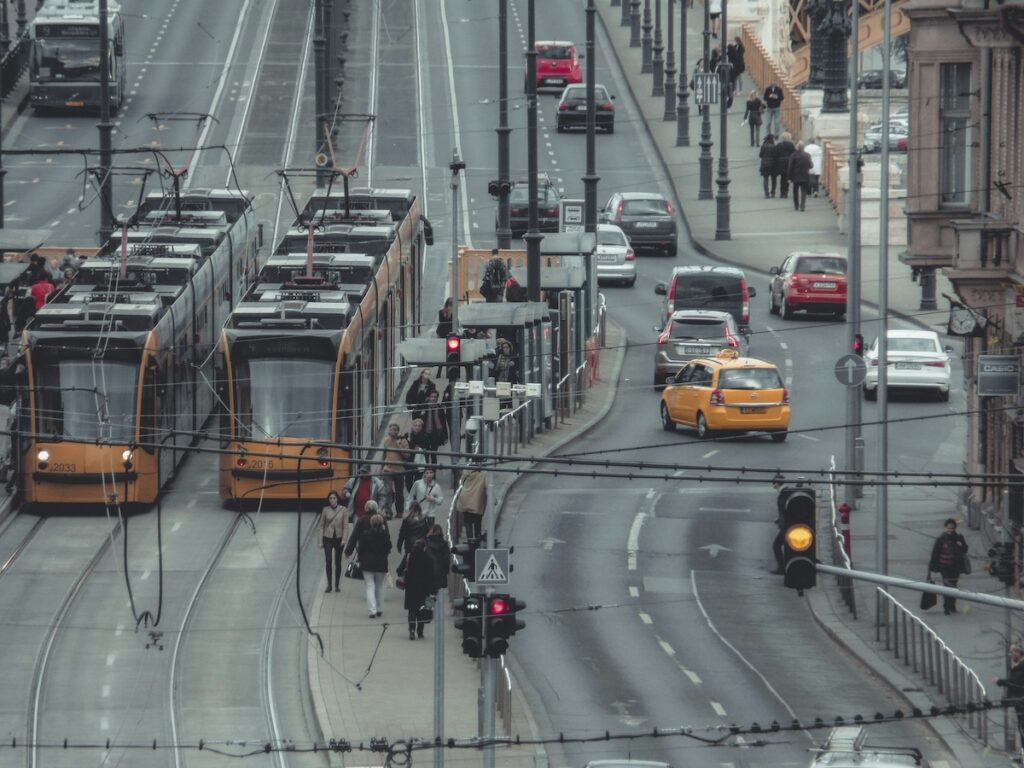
(435, 425)
(444, 319)
(814, 151)
(419, 585)
(472, 501)
(396, 454)
(361, 489)
(949, 558)
(735, 53)
(418, 447)
(773, 98)
(799, 173)
(784, 148)
(414, 527)
(428, 494)
(768, 171)
(752, 117)
(492, 281)
(371, 542)
(41, 288)
(332, 536)
(715, 12)
(420, 389)
(440, 554)
(1014, 685)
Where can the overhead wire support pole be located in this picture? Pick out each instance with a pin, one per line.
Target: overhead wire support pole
(590, 179)
(320, 77)
(723, 200)
(658, 61)
(670, 65)
(533, 236)
(683, 100)
(854, 414)
(104, 126)
(704, 192)
(504, 232)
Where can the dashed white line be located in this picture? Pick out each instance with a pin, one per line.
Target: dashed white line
(177, 525)
(104, 723)
(783, 345)
(634, 592)
(110, 659)
(145, 575)
(694, 677)
(645, 618)
(667, 648)
(719, 709)
(119, 630)
(633, 544)
(105, 691)
(709, 454)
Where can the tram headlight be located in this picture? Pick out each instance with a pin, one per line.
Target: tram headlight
(323, 454)
(43, 457)
(126, 457)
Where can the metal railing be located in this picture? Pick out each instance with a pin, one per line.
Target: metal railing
(840, 559)
(13, 64)
(833, 160)
(921, 649)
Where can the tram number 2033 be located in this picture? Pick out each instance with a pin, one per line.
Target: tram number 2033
(63, 467)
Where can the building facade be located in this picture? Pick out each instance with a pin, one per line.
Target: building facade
(965, 206)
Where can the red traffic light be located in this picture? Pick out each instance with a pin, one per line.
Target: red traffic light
(453, 343)
(858, 345)
(498, 606)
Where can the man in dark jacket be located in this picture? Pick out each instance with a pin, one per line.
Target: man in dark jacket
(800, 164)
(1014, 685)
(773, 98)
(784, 148)
(948, 556)
(371, 539)
(440, 555)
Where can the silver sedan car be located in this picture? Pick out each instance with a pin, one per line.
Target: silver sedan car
(693, 333)
(616, 262)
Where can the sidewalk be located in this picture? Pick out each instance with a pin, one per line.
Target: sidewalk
(397, 675)
(763, 232)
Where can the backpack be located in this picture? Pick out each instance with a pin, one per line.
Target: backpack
(493, 281)
(514, 291)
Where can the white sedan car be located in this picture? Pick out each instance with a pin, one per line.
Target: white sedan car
(616, 262)
(915, 360)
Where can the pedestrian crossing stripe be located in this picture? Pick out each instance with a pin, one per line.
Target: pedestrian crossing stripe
(492, 572)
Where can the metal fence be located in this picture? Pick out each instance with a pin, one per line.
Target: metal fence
(13, 64)
(921, 649)
(840, 559)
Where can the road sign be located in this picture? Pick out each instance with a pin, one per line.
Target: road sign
(851, 370)
(491, 566)
(998, 375)
(706, 86)
(572, 215)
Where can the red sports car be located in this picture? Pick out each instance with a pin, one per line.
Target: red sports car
(558, 64)
(814, 282)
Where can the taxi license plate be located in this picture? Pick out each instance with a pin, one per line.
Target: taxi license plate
(753, 410)
(908, 366)
(646, 224)
(830, 286)
(689, 349)
(74, 103)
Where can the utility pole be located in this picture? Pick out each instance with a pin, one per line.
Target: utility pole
(657, 62)
(683, 105)
(319, 89)
(489, 665)
(704, 193)
(532, 237)
(440, 604)
(670, 67)
(456, 166)
(722, 229)
(504, 187)
(853, 395)
(646, 62)
(590, 179)
(104, 126)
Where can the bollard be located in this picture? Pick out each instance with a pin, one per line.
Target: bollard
(844, 528)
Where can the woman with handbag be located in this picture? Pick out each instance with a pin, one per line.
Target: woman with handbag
(332, 534)
(371, 542)
(419, 585)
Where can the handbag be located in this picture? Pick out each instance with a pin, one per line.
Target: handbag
(967, 565)
(928, 599)
(426, 611)
(354, 570)
(400, 571)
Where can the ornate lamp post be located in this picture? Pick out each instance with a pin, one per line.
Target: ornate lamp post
(634, 23)
(670, 67)
(658, 62)
(646, 54)
(682, 105)
(624, 20)
(816, 10)
(835, 24)
(722, 200)
(704, 193)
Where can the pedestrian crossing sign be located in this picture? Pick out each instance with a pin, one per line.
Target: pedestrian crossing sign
(491, 566)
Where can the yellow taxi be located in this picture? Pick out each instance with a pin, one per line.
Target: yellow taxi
(727, 393)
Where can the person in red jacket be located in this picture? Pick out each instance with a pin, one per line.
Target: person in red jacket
(41, 288)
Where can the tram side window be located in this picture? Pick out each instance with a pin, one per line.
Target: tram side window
(149, 417)
(344, 408)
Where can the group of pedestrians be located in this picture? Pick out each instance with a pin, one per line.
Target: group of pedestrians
(20, 300)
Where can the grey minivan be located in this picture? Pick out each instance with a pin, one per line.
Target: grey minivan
(721, 288)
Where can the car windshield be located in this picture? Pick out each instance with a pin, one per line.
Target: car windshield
(285, 397)
(698, 328)
(750, 378)
(645, 206)
(904, 344)
(824, 264)
(579, 92)
(554, 51)
(608, 237)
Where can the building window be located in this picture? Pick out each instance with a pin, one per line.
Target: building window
(955, 138)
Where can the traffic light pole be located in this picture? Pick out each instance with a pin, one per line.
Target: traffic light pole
(440, 606)
(489, 666)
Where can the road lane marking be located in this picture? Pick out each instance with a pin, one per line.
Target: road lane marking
(709, 454)
(783, 345)
(808, 437)
(645, 618)
(177, 525)
(119, 630)
(634, 592)
(633, 544)
(105, 691)
(724, 510)
(694, 677)
(666, 647)
(719, 709)
(145, 575)
(104, 723)
(110, 659)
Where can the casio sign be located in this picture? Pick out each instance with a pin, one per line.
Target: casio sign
(999, 368)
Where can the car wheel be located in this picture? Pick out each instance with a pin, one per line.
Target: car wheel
(780, 437)
(870, 394)
(631, 282)
(773, 308)
(785, 311)
(944, 396)
(702, 427)
(611, 128)
(659, 383)
(559, 128)
(841, 316)
(666, 421)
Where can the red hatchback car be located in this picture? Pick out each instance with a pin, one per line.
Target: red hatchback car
(558, 64)
(813, 282)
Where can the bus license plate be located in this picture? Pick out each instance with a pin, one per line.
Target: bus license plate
(753, 410)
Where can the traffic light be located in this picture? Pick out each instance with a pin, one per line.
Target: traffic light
(1002, 563)
(466, 551)
(858, 345)
(471, 622)
(499, 611)
(453, 355)
(798, 506)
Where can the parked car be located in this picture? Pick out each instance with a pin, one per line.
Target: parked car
(558, 64)
(898, 129)
(914, 360)
(871, 79)
(809, 282)
(693, 333)
(549, 206)
(572, 109)
(647, 218)
(722, 288)
(615, 259)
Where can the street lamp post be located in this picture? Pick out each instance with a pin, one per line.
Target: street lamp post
(670, 67)
(646, 65)
(22, 17)
(682, 104)
(836, 26)
(504, 232)
(532, 236)
(634, 23)
(658, 62)
(722, 230)
(624, 19)
(5, 29)
(816, 10)
(704, 193)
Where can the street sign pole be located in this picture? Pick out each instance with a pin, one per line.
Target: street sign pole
(489, 667)
(440, 612)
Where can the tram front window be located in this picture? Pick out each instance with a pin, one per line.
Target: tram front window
(285, 397)
(86, 400)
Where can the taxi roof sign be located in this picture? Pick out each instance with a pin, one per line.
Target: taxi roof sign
(727, 353)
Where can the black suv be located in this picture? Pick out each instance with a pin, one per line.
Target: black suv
(647, 218)
(549, 206)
